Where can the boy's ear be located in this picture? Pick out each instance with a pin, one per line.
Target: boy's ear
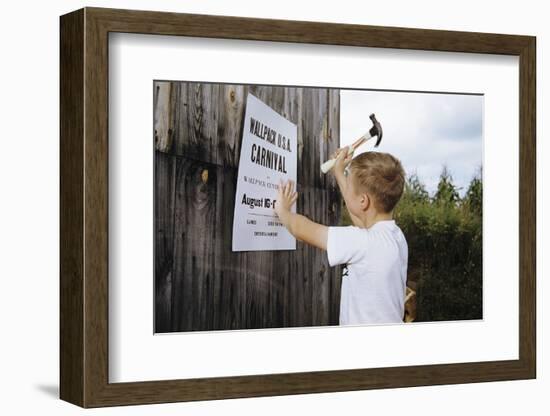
(365, 201)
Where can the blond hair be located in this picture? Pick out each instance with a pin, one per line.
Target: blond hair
(381, 175)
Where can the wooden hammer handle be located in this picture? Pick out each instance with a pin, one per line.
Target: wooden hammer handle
(329, 164)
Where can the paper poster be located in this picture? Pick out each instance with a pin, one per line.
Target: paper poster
(268, 154)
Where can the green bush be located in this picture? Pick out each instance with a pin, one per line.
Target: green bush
(444, 235)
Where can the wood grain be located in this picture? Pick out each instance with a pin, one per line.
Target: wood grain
(84, 209)
(165, 195)
(71, 295)
(528, 209)
(204, 181)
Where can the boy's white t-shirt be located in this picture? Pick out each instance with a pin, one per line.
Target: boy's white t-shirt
(375, 277)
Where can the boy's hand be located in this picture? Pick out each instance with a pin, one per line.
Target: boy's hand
(343, 157)
(286, 197)
(299, 226)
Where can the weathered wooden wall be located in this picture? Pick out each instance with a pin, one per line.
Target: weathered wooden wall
(200, 284)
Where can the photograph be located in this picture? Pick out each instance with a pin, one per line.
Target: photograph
(282, 206)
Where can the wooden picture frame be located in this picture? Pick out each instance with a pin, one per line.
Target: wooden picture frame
(84, 207)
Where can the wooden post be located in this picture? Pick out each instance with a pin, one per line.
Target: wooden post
(200, 284)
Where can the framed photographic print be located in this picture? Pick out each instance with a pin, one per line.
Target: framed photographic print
(255, 207)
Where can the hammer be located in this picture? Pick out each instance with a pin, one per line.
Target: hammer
(376, 130)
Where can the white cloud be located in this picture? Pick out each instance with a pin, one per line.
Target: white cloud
(424, 130)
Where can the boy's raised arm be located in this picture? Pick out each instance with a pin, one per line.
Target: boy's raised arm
(342, 160)
(298, 225)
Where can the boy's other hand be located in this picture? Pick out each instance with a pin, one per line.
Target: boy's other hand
(286, 197)
(343, 157)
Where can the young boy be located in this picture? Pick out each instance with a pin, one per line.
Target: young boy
(374, 249)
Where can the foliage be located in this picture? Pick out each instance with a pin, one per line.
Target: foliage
(415, 190)
(474, 195)
(444, 236)
(446, 193)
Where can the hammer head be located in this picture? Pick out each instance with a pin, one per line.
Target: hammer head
(376, 129)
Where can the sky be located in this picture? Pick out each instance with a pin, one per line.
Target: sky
(426, 131)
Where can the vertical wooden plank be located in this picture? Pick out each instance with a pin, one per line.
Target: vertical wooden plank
(331, 135)
(163, 116)
(306, 163)
(317, 199)
(334, 203)
(262, 92)
(259, 283)
(335, 279)
(277, 98)
(165, 185)
(195, 210)
(232, 103)
(316, 286)
(180, 116)
(300, 278)
(230, 282)
(292, 105)
(314, 105)
(197, 114)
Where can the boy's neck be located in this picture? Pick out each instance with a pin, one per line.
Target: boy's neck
(371, 218)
